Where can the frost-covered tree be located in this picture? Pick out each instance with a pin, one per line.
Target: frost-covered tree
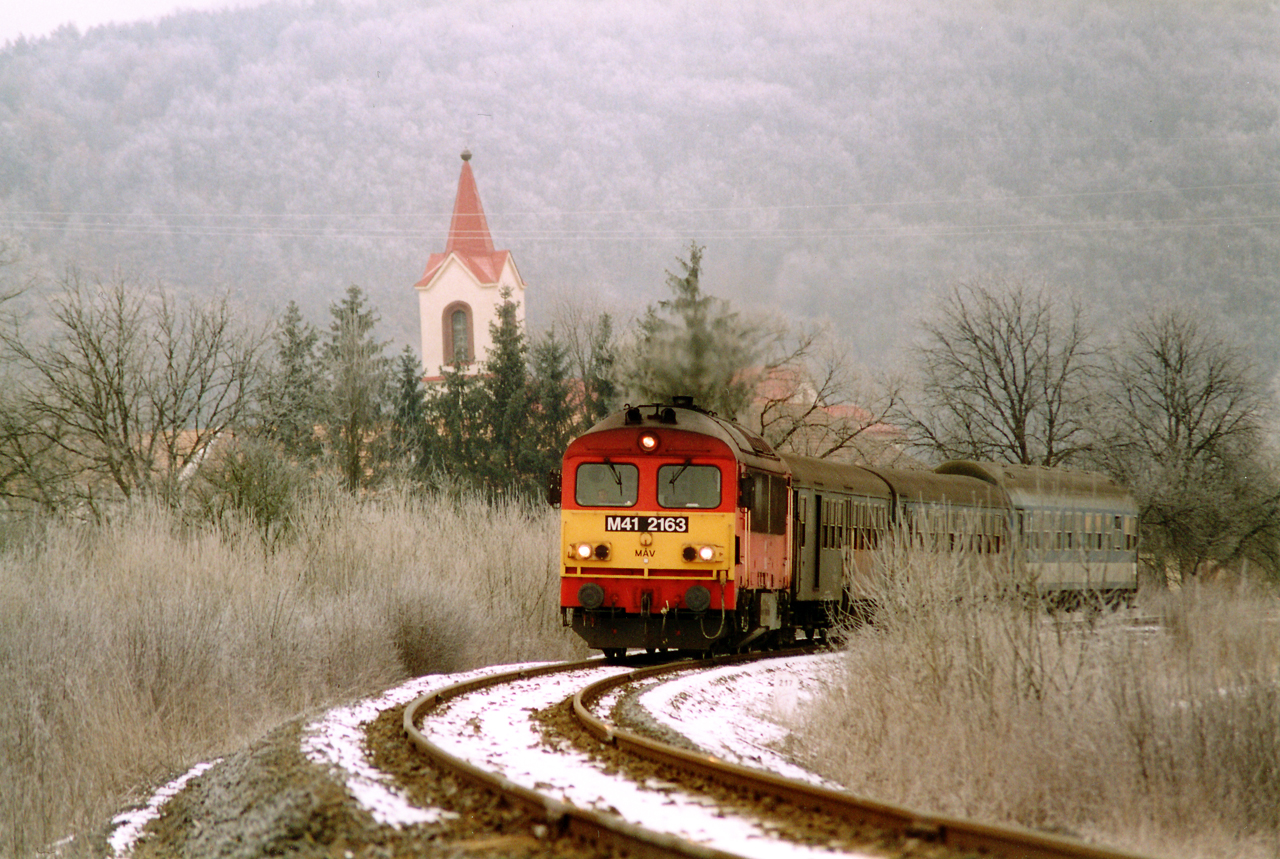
(292, 398)
(1185, 413)
(129, 392)
(1005, 375)
(358, 376)
(694, 344)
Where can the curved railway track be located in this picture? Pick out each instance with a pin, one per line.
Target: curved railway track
(842, 811)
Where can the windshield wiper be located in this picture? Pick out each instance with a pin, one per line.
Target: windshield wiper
(676, 476)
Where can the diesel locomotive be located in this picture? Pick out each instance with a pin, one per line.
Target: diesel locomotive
(681, 530)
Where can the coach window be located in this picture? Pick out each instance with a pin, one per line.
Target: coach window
(802, 516)
(689, 486)
(606, 484)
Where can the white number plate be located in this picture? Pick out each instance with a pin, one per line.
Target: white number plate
(666, 524)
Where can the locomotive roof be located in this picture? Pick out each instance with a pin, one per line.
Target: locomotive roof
(1038, 486)
(749, 447)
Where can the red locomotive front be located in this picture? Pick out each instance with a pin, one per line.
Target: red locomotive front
(655, 547)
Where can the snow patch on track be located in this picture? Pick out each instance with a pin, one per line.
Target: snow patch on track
(337, 740)
(740, 713)
(494, 730)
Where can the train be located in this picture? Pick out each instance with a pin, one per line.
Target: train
(683, 531)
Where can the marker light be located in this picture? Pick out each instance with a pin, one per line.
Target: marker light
(707, 553)
(648, 442)
(582, 551)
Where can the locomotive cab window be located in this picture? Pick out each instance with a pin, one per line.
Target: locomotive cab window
(688, 486)
(606, 484)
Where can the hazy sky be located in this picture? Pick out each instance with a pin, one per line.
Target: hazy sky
(41, 17)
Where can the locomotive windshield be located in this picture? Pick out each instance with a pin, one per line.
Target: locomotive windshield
(689, 486)
(606, 484)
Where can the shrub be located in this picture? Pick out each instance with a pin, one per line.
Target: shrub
(136, 646)
(1160, 737)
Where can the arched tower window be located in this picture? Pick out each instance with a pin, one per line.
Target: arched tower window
(459, 341)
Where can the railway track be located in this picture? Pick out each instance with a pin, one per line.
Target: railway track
(879, 827)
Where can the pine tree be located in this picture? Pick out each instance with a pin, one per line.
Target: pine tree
(359, 377)
(599, 388)
(553, 415)
(292, 396)
(410, 429)
(457, 441)
(505, 389)
(694, 344)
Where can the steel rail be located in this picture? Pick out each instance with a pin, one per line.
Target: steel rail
(954, 832)
(562, 818)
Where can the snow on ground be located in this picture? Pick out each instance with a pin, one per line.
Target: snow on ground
(129, 825)
(734, 712)
(739, 713)
(337, 740)
(495, 731)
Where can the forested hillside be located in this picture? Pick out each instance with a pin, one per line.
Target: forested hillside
(840, 159)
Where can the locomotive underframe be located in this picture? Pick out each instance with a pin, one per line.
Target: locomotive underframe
(761, 616)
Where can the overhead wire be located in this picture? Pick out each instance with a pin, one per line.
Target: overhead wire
(337, 225)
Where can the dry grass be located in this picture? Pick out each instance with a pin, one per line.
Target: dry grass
(1163, 739)
(132, 649)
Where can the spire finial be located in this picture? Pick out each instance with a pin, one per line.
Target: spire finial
(466, 155)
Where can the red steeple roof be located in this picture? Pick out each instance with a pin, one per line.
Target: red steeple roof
(468, 231)
(469, 237)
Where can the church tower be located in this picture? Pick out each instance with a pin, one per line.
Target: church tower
(460, 290)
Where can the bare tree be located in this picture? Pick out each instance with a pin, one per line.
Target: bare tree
(586, 331)
(812, 401)
(1185, 415)
(1006, 371)
(130, 391)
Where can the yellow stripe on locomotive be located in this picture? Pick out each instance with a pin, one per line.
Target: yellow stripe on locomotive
(648, 545)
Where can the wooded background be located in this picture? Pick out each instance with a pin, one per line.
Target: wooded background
(845, 160)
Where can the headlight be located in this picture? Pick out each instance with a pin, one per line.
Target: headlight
(707, 553)
(587, 551)
(648, 442)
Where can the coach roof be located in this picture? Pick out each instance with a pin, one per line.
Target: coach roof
(1035, 485)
